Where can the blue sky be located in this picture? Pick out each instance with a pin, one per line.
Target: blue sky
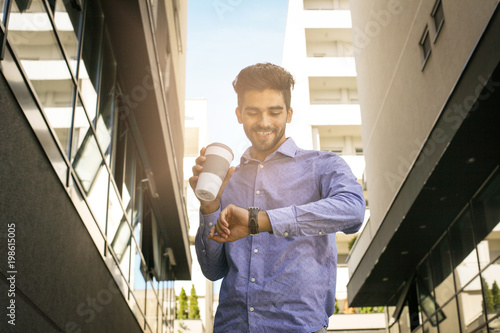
(225, 36)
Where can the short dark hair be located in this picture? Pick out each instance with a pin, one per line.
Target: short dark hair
(263, 76)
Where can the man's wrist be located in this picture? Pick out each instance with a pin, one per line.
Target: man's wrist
(209, 209)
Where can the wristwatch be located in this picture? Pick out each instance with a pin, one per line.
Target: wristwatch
(253, 221)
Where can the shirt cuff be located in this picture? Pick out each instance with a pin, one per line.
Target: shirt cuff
(207, 221)
(284, 222)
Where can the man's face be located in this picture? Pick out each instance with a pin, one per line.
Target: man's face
(264, 117)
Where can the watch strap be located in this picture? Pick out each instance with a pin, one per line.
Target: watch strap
(253, 221)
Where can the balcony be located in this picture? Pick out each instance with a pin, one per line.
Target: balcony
(335, 19)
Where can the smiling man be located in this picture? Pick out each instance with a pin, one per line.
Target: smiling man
(270, 233)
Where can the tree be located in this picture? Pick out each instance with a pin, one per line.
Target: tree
(336, 307)
(495, 290)
(488, 297)
(182, 312)
(194, 309)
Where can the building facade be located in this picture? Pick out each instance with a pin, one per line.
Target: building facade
(429, 90)
(92, 193)
(318, 51)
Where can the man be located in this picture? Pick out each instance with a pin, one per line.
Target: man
(282, 277)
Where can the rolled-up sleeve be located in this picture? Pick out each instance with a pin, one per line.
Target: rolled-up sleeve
(341, 207)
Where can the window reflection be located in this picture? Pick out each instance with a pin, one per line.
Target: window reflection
(67, 21)
(2, 10)
(491, 289)
(470, 304)
(115, 215)
(98, 196)
(33, 39)
(442, 276)
(91, 57)
(450, 321)
(487, 222)
(106, 110)
(430, 326)
(464, 253)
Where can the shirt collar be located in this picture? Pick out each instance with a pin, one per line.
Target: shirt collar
(287, 148)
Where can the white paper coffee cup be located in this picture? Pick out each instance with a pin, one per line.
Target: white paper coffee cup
(219, 158)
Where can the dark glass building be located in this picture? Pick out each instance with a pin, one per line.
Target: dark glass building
(93, 229)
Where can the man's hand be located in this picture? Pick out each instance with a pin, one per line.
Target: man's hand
(231, 225)
(208, 207)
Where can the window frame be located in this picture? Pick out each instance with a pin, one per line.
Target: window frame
(424, 41)
(438, 8)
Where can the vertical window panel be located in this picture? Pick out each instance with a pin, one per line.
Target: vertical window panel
(463, 250)
(90, 65)
(491, 290)
(431, 325)
(67, 21)
(2, 11)
(116, 215)
(442, 276)
(32, 37)
(450, 322)
(470, 305)
(425, 290)
(486, 214)
(106, 110)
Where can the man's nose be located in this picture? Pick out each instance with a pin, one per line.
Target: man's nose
(264, 120)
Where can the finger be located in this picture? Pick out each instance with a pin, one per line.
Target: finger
(221, 231)
(193, 181)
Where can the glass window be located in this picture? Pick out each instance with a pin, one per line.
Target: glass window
(115, 215)
(486, 213)
(425, 46)
(105, 120)
(430, 326)
(32, 37)
(491, 289)
(442, 276)
(89, 71)
(425, 289)
(404, 321)
(449, 321)
(2, 10)
(470, 304)
(97, 197)
(67, 19)
(438, 16)
(463, 250)
(121, 247)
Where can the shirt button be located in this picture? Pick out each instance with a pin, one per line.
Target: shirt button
(258, 192)
(251, 309)
(320, 233)
(203, 250)
(255, 250)
(285, 234)
(261, 166)
(252, 279)
(210, 224)
(201, 224)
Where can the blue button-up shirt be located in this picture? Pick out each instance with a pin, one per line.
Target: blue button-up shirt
(284, 281)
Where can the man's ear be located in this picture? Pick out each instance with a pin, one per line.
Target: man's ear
(289, 115)
(238, 115)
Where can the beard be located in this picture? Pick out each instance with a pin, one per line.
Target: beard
(268, 143)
